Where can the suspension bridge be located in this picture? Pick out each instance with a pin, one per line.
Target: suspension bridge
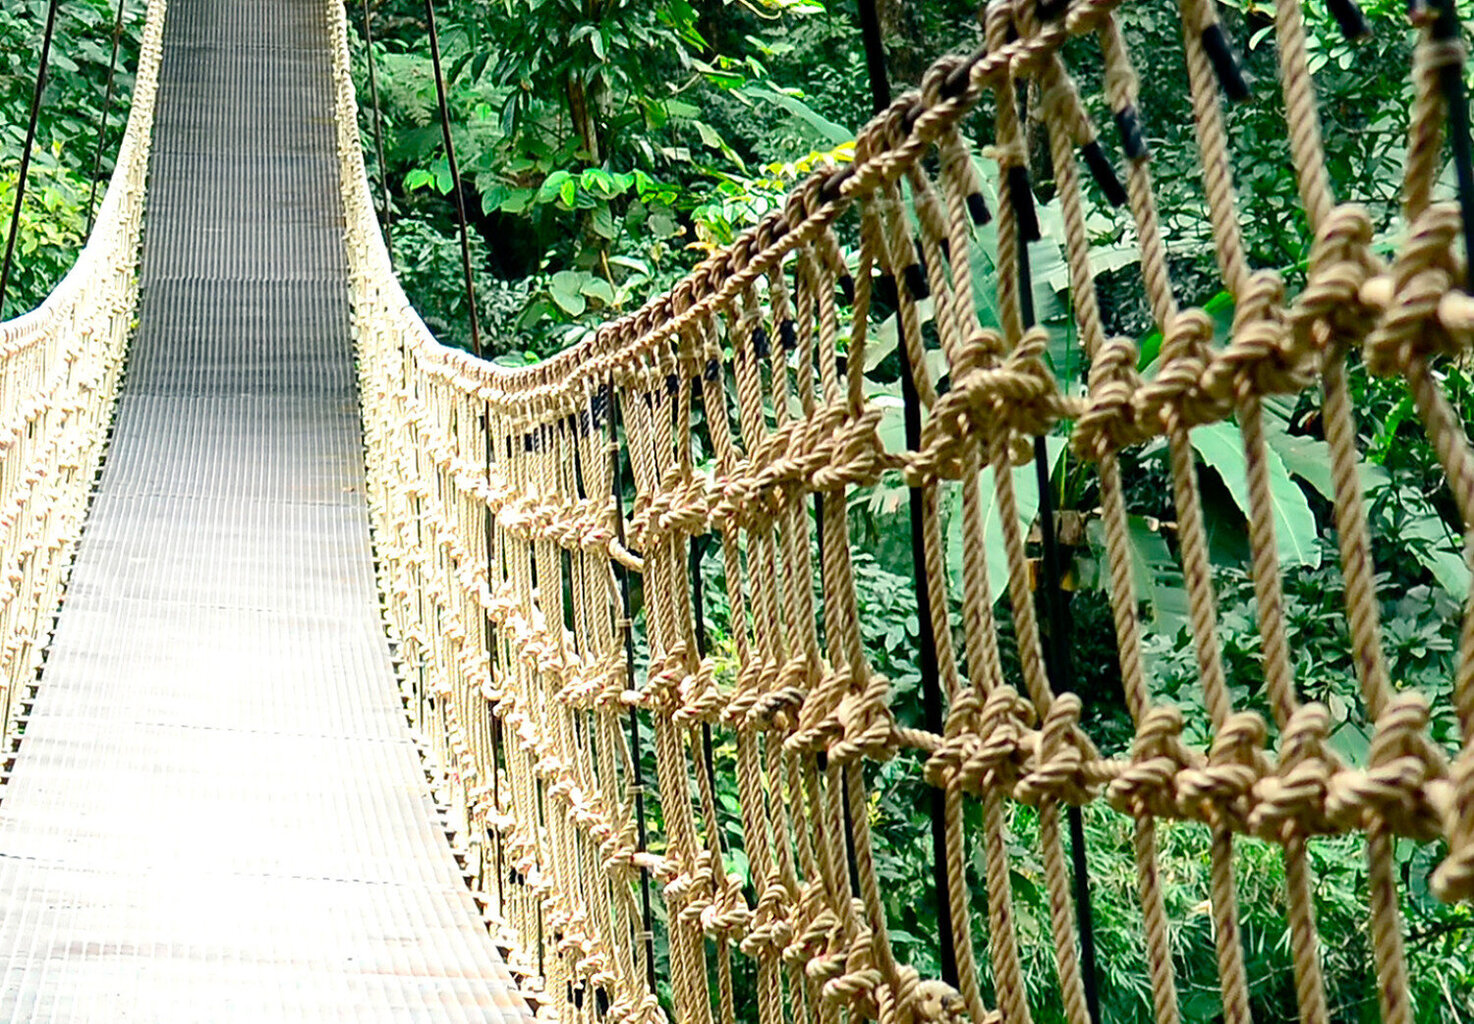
(321, 692)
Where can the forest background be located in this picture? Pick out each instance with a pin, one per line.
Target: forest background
(605, 146)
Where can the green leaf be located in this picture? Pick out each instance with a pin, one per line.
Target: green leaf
(598, 288)
(680, 110)
(552, 185)
(709, 136)
(602, 222)
(1157, 575)
(566, 289)
(1433, 545)
(1026, 492)
(1221, 448)
(1310, 460)
(825, 128)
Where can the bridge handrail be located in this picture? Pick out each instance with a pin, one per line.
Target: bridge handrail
(112, 247)
(60, 365)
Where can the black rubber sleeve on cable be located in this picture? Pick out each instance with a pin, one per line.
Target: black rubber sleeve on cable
(884, 290)
(1349, 17)
(760, 346)
(977, 209)
(1133, 140)
(1021, 195)
(916, 282)
(1103, 172)
(1225, 64)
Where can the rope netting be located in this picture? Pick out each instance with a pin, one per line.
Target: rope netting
(507, 558)
(60, 366)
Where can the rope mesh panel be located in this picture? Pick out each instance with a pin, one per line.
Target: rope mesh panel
(501, 546)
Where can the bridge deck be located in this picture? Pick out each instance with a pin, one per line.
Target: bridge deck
(217, 813)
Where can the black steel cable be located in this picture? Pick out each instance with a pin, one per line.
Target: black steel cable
(1050, 588)
(931, 687)
(608, 405)
(1057, 661)
(1451, 79)
(107, 109)
(385, 213)
(455, 176)
(25, 157)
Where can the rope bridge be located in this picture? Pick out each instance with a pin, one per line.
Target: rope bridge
(507, 555)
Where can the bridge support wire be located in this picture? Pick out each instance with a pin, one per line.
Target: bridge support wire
(42, 66)
(467, 271)
(107, 107)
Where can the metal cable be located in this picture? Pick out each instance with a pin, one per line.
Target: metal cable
(385, 213)
(931, 686)
(25, 157)
(1451, 80)
(107, 109)
(455, 176)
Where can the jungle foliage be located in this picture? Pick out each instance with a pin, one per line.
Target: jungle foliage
(54, 215)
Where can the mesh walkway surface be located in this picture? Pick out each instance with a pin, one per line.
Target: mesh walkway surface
(217, 813)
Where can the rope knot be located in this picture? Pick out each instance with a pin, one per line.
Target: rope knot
(993, 754)
(865, 724)
(1454, 878)
(1109, 422)
(1423, 272)
(1264, 357)
(771, 926)
(1017, 396)
(1148, 785)
(1057, 769)
(701, 701)
(1393, 791)
(1187, 352)
(777, 711)
(939, 1003)
(1292, 799)
(1219, 792)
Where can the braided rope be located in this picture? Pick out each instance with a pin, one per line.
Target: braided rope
(755, 356)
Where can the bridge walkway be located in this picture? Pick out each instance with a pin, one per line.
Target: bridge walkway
(217, 812)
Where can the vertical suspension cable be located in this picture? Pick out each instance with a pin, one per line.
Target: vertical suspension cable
(637, 785)
(455, 176)
(1451, 79)
(25, 157)
(107, 109)
(385, 213)
(1057, 660)
(489, 632)
(931, 683)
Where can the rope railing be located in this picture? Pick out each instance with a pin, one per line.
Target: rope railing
(60, 366)
(503, 542)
